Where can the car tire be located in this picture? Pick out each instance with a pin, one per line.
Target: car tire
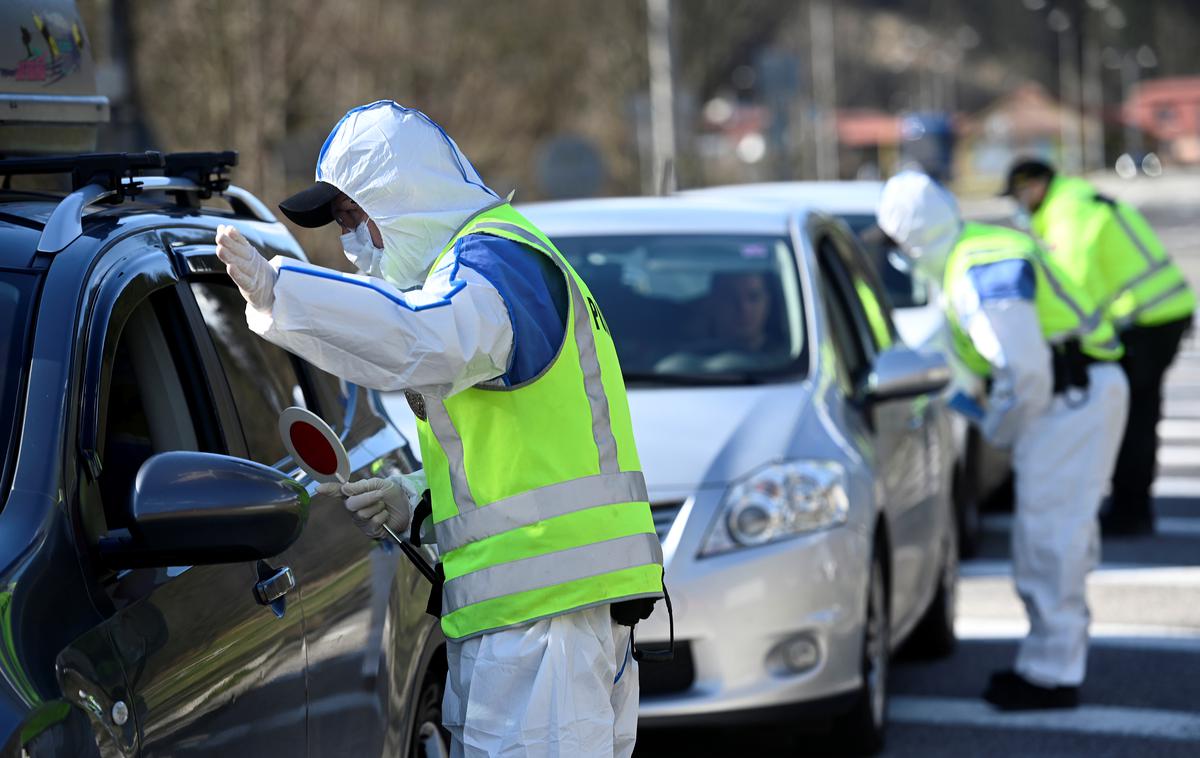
(860, 731)
(968, 501)
(429, 738)
(934, 635)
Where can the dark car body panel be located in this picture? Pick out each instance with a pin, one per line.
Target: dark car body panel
(202, 667)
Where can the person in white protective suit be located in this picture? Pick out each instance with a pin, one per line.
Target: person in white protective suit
(1057, 397)
(538, 504)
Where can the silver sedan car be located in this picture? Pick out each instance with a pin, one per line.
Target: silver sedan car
(798, 457)
(982, 470)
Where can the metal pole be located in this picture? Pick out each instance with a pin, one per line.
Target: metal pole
(662, 96)
(1129, 78)
(820, 14)
(1068, 95)
(1093, 102)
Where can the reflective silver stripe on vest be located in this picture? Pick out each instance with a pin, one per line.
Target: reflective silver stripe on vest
(550, 569)
(538, 505)
(1087, 323)
(1157, 300)
(585, 341)
(1136, 240)
(447, 435)
(1138, 280)
(1156, 265)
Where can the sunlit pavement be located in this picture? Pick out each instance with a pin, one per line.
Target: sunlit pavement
(1143, 689)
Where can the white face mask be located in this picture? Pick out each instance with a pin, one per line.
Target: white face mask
(361, 251)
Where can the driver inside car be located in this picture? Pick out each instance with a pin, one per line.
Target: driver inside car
(732, 327)
(740, 306)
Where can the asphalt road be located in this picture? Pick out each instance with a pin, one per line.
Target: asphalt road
(1142, 696)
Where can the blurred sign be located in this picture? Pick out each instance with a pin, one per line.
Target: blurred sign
(927, 139)
(48, 99)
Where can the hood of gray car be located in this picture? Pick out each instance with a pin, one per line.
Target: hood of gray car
(694, 437)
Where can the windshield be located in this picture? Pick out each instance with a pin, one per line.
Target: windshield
(696, 309)
(905, 289)
(16, 300)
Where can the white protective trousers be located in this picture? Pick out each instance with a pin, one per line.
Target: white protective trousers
(561, 687)
(1063, 460)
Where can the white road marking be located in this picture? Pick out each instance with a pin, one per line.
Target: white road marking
(1090, 719)
(1176, 526)
(1125, 636)
(1179, 430)
(1177, 486)
(1108, 574)
(1178, 455)
(1180, 408)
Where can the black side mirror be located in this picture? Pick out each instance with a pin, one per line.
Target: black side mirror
(900, 372)
(200, 508)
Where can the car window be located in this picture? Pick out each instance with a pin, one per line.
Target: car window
(691, 307)
(261, 376)
(16, 305)
(870, 294)
(146, 409)
(847, 339)
(905, 288)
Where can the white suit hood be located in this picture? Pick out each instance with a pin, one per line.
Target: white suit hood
(410, 179)
(922, 217)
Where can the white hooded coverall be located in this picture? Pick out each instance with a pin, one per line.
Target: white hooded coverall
(1064, 447)
(563, 686)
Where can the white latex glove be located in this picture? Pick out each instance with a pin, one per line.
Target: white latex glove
(376, 502)
(414, 484)
(250, 271)
(330, 489)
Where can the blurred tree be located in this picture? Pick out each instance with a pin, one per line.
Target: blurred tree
(271, 77)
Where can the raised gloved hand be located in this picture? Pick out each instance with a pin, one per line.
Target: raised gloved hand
(250, 271)
(373, 503)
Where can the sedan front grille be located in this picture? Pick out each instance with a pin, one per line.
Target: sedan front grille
(664, 513)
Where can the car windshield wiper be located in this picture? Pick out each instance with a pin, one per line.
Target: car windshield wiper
(685, 380)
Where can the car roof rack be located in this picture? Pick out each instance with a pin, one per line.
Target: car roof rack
(116, 177)
(209, 170)
(106, 169)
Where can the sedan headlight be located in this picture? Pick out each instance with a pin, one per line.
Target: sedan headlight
(780, 501)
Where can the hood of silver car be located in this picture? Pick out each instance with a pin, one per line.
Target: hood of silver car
(693, 437)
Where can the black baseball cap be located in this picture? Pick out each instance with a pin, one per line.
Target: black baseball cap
(311, 207)
(1024, 170)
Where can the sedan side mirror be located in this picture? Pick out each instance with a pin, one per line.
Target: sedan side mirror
(900, 372)
(200, 508)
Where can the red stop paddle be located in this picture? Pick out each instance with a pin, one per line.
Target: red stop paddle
(316, 449)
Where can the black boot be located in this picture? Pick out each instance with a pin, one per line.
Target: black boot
(1009, 691)
(1120, 524)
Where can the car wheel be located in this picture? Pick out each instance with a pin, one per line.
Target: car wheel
(967, 502)
(429, 738)
(934, 636)
(860, 731)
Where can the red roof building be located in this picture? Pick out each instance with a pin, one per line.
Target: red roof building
(1169, 111)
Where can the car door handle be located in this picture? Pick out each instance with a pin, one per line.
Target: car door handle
(275, 586)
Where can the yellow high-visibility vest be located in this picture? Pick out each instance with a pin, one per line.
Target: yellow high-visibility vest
(539, 504)
(1109, 249)
(1064, 310)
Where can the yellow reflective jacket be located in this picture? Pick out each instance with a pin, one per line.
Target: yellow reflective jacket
(1109, 249)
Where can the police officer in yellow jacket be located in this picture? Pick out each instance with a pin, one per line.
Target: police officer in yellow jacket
(1056, 398)
(1109, 250)
(537, 500)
